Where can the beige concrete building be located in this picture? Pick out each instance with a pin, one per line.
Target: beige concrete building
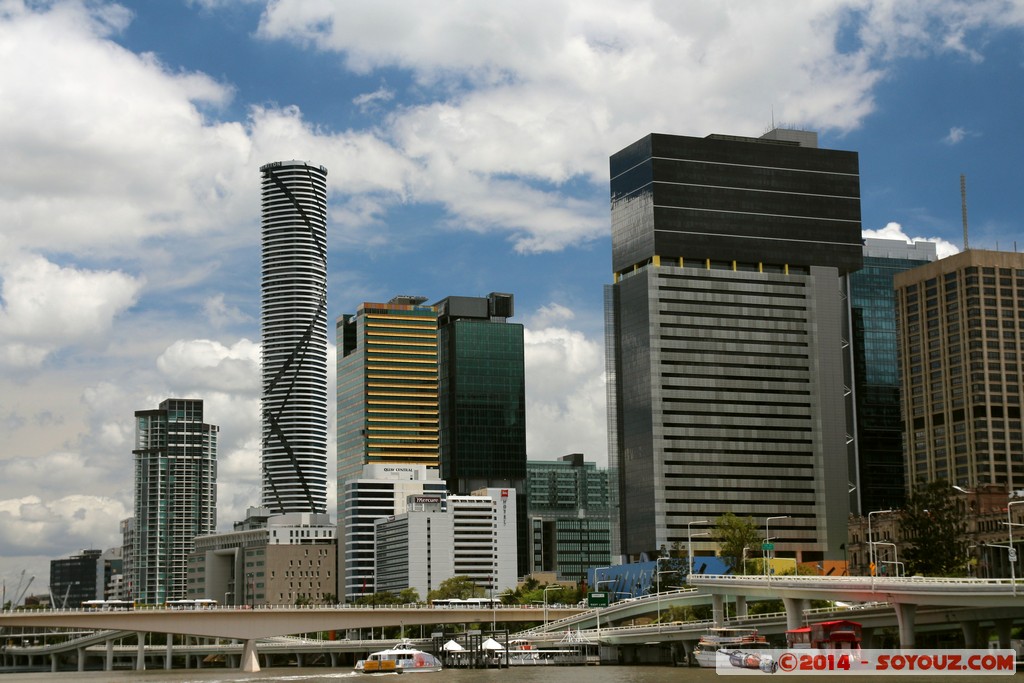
(961, 325)
(268, 560)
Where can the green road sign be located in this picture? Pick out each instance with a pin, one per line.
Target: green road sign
(595, 599)
(767, 546)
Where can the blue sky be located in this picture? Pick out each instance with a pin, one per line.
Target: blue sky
(467, 145)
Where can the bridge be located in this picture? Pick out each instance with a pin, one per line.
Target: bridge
(250, 625)
(904, 593)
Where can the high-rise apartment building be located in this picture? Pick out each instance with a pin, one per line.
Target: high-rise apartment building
(961, 336)
(294, 332)
(728, 362)
(878, 471)
(175, 496)
(387, 386)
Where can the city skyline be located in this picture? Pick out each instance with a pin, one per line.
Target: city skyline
(473, 147)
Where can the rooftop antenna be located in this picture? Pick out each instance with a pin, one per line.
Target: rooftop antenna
(963, 206)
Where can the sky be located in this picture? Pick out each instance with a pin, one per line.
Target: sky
(467, 149)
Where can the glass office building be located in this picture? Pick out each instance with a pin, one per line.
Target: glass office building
(878, 475)
(294, 332)
(728, 339)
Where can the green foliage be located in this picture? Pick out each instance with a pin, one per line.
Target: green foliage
(934, 528)
(408, 596)
(461, 587)
(734, 534)
(379, 598)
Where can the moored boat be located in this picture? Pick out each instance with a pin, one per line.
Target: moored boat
(402, 658)
(826, 635)
(729, 641)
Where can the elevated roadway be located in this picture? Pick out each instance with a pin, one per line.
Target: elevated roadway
(250, 625)
(904, 593)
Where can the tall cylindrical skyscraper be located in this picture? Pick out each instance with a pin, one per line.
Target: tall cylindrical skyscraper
(294, 324)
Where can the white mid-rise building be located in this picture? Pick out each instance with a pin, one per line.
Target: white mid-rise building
(431, 542)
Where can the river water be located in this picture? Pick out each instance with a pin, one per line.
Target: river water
(547, 674)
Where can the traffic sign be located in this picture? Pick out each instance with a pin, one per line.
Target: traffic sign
(767, 546)
(595, 599)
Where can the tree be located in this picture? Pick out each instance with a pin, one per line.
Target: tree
(735, 534)
(934, 528)
(461, 587)
(409, 596)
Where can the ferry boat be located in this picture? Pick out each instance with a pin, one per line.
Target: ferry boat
(402, 658)
(572, 650)
(826, 635)
(730, 642)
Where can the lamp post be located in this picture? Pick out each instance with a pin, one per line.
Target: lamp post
(658, 578)
(546, 589)
(689, 543)
(1009, 526)
(895, 557)
(767, 540)
(871, 545)
(1013, 560)
(597, 587)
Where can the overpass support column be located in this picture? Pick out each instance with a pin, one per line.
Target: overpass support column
(250, 661)
(53, 663)
(718, 609)
(140, 656)
(108, 665)
(794, 611)
(169, 652)
(741, 605)
(1003, 627)
(905, 614)
(867, 638)
(970, 630)
(81, 659)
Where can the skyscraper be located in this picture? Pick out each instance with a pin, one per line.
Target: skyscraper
(878, 474)
(727, 361)
(961, 336)
(387, 386)
(294, 326)
(175, 496)
(482, 400)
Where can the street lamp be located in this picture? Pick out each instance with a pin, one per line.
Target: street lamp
(1010, 524)
(658, 578)
(252, 589)
(689, 542)
(546, 589)
(1013, 560)
(871, 544)
(895, 557)
(767, 540)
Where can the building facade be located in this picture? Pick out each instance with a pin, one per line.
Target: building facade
(437, 539)
(482, 399)
(294, 335)
(570, 516)
(878, 475)
(387, 408)
(175, 496)
(382, 491)
(727, 338)
(268, 559)
(961, 335)
(85, 576)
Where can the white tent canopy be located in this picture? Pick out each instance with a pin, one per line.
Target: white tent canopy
(452, 646)
(492, 644)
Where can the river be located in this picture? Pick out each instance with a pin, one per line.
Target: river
(592, 674)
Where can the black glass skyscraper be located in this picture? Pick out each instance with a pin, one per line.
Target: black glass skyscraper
(727, 343)
(294, 326)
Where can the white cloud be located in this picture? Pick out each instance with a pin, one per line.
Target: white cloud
(30, 525)
(565, 406)
(203, 364)
(46, 306)
(895, 231)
